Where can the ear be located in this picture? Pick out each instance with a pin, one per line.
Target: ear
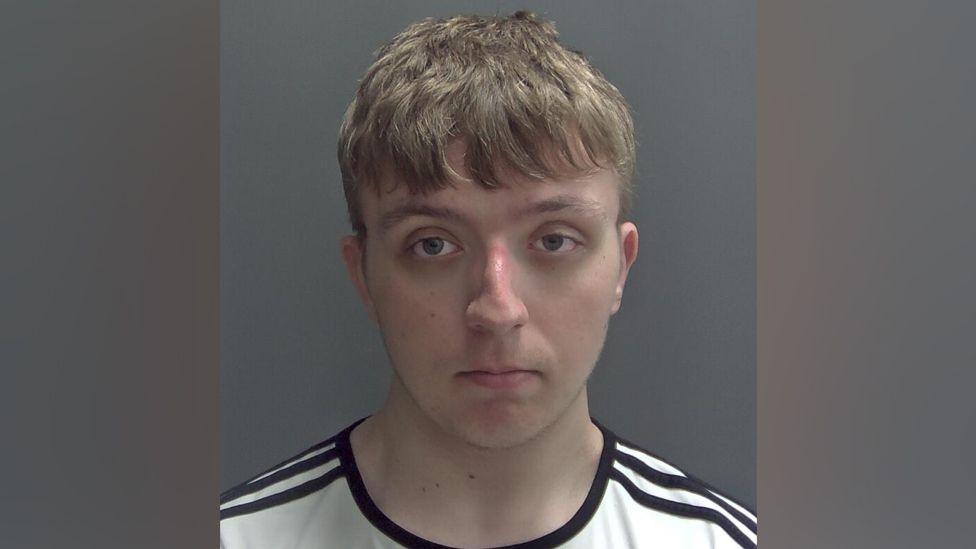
(628, 254)
(353, 251)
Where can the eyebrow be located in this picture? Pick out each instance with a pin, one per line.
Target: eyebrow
(578, 205)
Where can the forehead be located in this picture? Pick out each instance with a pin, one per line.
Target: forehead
(594, 193)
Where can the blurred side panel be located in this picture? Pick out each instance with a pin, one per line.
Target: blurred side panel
(109, 273)
(866, 275)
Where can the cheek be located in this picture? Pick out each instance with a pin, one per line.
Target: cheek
(416, 320)
(578, 320)
(574, 310)
(590, 288)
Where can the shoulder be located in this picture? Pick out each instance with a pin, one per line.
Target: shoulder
(282, 498)
(654, 490)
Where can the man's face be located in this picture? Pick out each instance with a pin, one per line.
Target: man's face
(494, 305)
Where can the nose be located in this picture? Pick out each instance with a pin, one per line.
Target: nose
(497, 307)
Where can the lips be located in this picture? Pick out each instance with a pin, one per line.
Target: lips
(502, 378)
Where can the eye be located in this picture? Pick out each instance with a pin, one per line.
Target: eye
(557, 243)
(433, 247)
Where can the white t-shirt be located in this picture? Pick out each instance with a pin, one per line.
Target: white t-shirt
(317, 500)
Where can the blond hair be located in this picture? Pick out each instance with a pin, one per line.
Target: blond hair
(505, 85)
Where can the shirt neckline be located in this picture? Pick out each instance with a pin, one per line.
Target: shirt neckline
(397, 533)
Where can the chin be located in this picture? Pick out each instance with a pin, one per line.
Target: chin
(485, 439)
(497, 424)
(497, 429)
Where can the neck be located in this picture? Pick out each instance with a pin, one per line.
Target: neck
(414, 470)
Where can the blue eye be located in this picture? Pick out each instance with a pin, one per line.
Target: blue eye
(557, 243)
(433, 247)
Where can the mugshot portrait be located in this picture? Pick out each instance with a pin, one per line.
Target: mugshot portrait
(301, 358)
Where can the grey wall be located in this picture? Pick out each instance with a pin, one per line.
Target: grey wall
(299, 358)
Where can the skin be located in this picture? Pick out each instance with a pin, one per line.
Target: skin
(468, 280)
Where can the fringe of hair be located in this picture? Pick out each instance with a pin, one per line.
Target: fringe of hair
(520, 99)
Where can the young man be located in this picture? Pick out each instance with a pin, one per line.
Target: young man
(487, 172)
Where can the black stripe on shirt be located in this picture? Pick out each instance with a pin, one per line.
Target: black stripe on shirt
(296, 457)
(682, 509)
(280, 498)
(667, 480)
(630, 445)
(284, 474)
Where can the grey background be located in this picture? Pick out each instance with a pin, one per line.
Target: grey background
(109, 279)
(867, 268)
(109, 248)
(299, 358)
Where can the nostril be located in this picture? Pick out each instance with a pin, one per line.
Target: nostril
(491, 312)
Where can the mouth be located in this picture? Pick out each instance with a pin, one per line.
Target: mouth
(499, 379)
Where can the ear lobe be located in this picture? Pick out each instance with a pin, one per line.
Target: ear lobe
(353, 251)
(628, 254)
